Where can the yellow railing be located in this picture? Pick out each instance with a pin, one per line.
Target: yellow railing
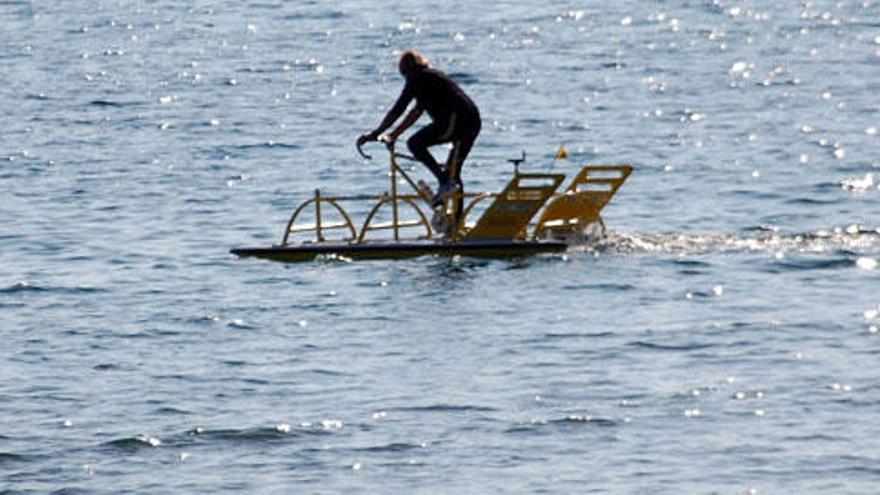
(509, 216)
(414, 201)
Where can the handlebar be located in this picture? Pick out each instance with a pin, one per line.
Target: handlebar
(381, 139)
(361, 151)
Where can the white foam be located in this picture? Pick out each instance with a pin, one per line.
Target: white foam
(863, 184)
(865, 263)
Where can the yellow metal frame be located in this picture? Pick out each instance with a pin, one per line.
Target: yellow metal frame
(318, 227)
(508, 217)
(396, 224)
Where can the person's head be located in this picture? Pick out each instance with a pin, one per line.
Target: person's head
(411, 61)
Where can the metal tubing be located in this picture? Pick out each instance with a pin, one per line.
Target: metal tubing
(394, 195)
(318, 215)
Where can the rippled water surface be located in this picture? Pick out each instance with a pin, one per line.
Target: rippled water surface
(722, 339)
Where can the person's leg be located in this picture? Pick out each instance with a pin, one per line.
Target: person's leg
(460, 150)
(418, 145)
(462, 145)
(457, 155)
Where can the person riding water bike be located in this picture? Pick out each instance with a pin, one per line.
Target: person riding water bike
(454, 119)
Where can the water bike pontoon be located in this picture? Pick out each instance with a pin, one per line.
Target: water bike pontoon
(397, 223)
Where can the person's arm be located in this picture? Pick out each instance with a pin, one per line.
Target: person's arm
(410, 119)
(396, 111)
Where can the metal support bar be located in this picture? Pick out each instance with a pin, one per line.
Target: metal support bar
(318, 231)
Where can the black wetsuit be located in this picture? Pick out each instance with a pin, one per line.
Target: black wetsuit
(455, 117)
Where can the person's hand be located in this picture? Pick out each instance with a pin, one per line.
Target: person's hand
(363, 138)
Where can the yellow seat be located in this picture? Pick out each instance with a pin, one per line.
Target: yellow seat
(509, 215)
(571, 212)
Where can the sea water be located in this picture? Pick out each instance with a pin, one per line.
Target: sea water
(722, 339)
